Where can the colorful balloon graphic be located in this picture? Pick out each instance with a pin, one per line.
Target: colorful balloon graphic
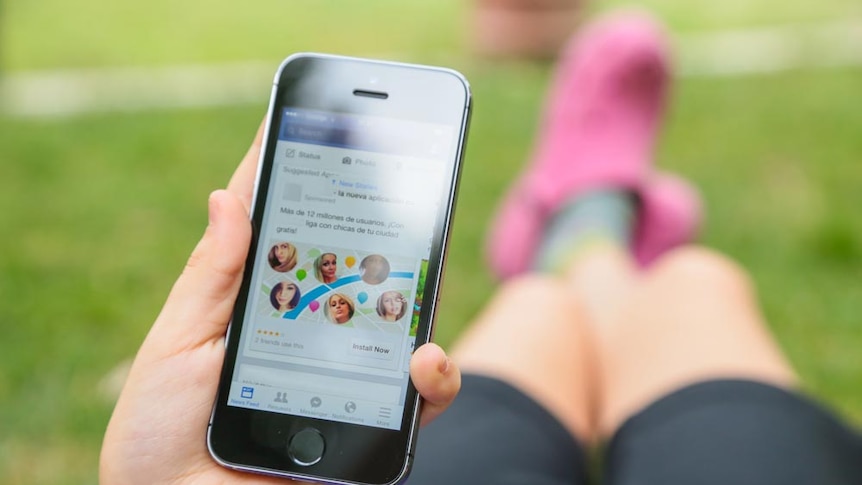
(362, 297)
(313, 253)
(313, 306)
(301, 274)
(350, 261)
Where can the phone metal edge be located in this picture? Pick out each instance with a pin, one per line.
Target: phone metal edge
(450, 215)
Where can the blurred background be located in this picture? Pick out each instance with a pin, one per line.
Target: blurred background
(119, 118)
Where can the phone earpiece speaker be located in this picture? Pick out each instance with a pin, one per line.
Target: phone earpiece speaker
(370, 94)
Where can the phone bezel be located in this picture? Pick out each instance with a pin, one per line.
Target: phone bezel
(255, 440)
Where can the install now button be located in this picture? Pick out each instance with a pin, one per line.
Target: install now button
(376, 350)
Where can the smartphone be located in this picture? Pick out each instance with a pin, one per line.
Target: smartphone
(353, 202)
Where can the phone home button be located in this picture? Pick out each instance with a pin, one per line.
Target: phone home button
(306, 447)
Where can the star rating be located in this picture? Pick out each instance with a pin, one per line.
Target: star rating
(270, 333)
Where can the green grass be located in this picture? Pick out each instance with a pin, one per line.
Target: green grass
(99, 212)
(92, 33)
(97, 215)
(96, 33)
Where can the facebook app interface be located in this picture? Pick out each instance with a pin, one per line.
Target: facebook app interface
(341, 265)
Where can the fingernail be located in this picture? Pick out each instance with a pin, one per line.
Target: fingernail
(444, 365)
(213, 209)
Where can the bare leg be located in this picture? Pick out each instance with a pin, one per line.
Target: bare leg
(691, 317)
(603, 277)
(533, 336)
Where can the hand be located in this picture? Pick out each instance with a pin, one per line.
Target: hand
(157, 433)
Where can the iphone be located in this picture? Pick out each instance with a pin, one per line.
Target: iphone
(353, 202)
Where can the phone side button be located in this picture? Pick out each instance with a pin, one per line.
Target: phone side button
(306, 447)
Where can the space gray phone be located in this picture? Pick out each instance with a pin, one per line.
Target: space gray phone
(352, 207)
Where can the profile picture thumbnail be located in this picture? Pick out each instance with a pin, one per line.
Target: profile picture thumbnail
(374, 269)
(326, 267)
(282, 257)
(339, 308)
(391, 306)
(284, 296)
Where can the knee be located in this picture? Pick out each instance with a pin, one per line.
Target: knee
(699, 267)
(537, 300)
(533, 287)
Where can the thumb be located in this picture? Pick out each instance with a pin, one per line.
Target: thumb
(437, 379)
(201, 302)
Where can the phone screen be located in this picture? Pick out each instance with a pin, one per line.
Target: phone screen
(338, 283)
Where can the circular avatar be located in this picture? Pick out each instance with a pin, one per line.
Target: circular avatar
(391, 306)
(285, 296)
(374, 269)
(325, 267)
(282, 257)
(339, 308)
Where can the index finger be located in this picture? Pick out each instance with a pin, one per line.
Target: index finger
(242, 181)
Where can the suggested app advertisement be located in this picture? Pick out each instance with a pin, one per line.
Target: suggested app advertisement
(341, 263)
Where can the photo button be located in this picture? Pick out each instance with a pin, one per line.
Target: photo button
(306, 447)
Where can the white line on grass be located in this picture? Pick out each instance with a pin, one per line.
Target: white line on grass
(70, 92)
(774, 49)
(724, 53)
